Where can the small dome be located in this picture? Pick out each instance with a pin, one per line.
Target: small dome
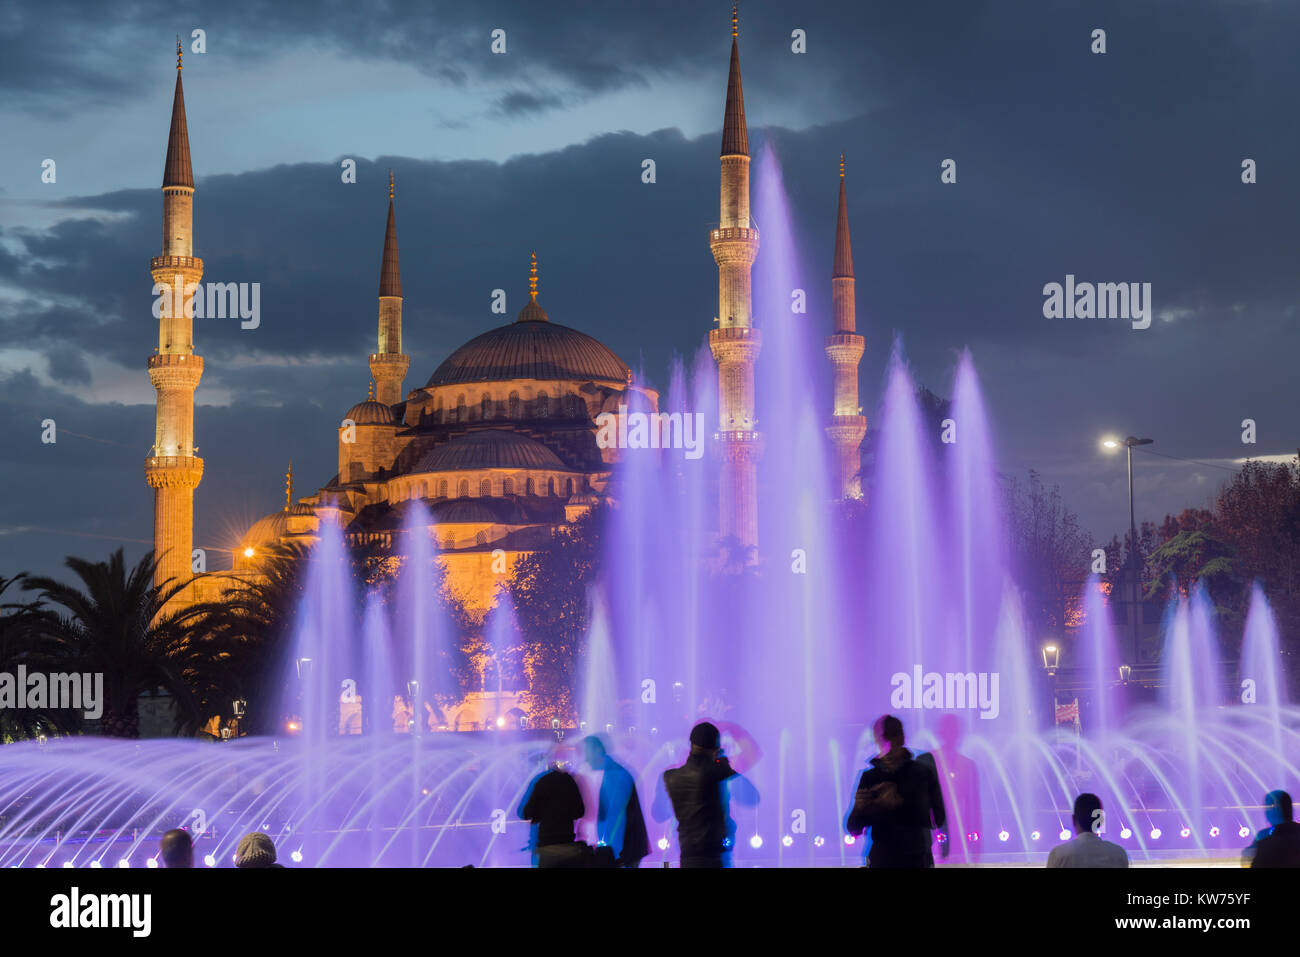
(489, 449)
(466, 511)
(532, 312)
(267, 530)
(371, 412)
(584, 498)
(301, 508)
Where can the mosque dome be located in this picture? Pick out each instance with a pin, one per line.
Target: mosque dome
(489, 449)
(301, 508)
(530, 349)
(267, 530)
(371, 412)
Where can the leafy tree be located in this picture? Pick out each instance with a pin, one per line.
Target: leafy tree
(113, 624)
(1049, 553)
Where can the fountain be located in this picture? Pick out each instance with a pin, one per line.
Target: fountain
(908, 608)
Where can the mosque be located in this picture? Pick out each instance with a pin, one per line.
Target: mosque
(499, 443)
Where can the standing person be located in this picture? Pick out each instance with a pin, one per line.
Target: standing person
(552, 803)
(699, 795)
(1279, 845)
(899, 798)
(1087, 849)
(176, 848)
(620, 825)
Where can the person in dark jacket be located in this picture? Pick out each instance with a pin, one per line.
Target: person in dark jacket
(900, 799)
(699, 795)
(1279, 845)
(620, 826)
(552, 803)
(176, 848)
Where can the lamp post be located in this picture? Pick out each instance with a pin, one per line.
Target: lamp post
(1128, 444)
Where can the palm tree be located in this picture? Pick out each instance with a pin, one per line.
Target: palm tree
(22, 642)
(114, 625)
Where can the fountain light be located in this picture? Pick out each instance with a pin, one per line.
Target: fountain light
(755, 842)
(151, 863)
(1125, 833)
(787, 840)
(296, 856)
(209, 860)
(1034, 835)
(96, 864)
(1243, 831)
(819, 841)
(850, 839)
(124, 862)
(1155, 833)
(1214, 831)
(1065, 834)
(1003, 835)
(663, 843)
(1185, 832)
(67, 863)
(39, 867)
(973, 836)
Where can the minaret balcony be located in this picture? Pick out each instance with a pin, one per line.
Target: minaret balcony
(173, 471)
(735, 343)
(185, 264)
(845, 347)
(746, 234)
(169, 371)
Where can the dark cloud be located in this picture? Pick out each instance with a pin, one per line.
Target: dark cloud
(1117, 168)
(519, 103)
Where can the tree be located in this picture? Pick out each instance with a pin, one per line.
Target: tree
(1049, 554)
(550, 592)
(24, 643)
(113, 624)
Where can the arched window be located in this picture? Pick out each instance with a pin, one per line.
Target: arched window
(569, 487)
(507, 486)
(461, 412)
(480, 538)
(442, 489)
(550, 486)
(438, 410)
(514, 405)
(485, 488)
(485, 406)
(543, 405)
(463, 488)
(529, 487)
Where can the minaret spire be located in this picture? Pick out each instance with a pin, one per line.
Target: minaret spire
(845, 348)
(388, 364)
(288, 487)
(173, 470)
(735, 343)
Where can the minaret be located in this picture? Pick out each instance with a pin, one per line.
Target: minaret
(172, 469)
(388, 365)
(735, 342)
(844, 346)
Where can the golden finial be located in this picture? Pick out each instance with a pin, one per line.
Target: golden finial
(841, 166)
(390, 184)
(371, 396)
(288, 486)
(735, 22)
(532, 278)
(178, 53)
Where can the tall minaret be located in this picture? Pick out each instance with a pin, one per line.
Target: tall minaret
(389, 364)
(848, 426)
(172, 469)
(735, 343)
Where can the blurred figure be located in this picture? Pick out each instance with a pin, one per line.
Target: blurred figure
(1279, 844)
(256, 850)
(552, 803)
(620, 825)
(900, 799)
(1087, 849)
(698, 795)
(176, 848)
(960, 779)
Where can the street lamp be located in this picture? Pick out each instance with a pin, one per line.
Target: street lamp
(1113, 444)
(1051, 659)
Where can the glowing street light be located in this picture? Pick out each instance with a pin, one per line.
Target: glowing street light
(1113, 444)
(1051, 658)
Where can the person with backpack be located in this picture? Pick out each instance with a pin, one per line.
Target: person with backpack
(900, 800)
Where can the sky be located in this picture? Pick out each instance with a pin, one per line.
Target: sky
(1122, 166)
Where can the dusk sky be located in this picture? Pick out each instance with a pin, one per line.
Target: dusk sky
(1117, 167)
